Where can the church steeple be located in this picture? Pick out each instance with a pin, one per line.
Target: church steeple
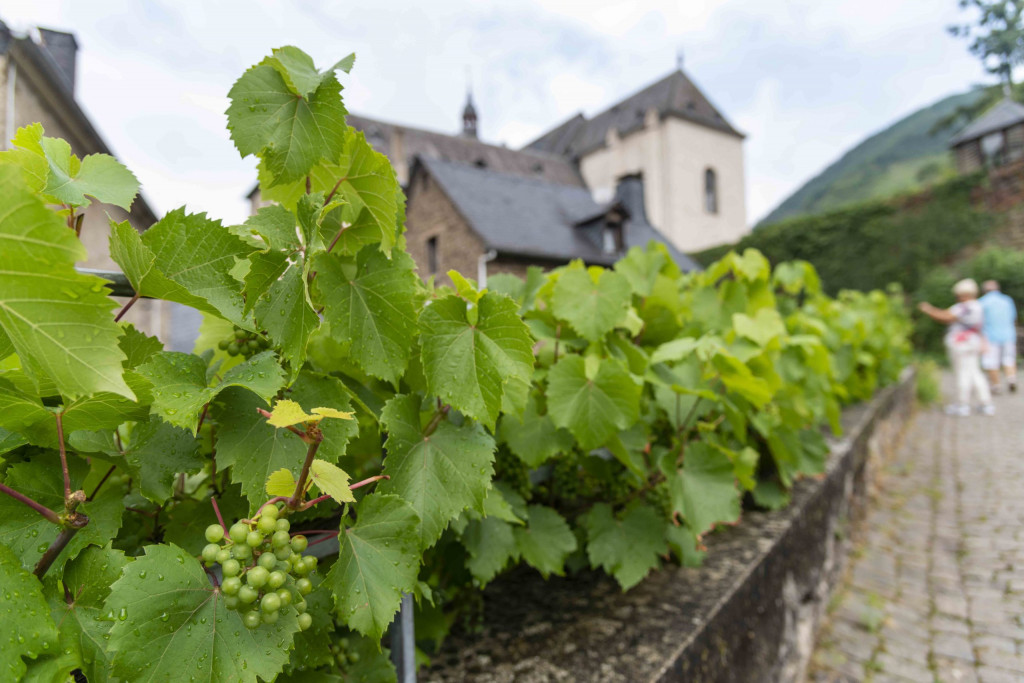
(469, 114)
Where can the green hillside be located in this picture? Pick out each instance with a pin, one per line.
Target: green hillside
(906, 156)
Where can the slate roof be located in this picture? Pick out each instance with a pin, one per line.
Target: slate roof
(1005, 114)
(417, 142)
(536, 218)
(675, 95)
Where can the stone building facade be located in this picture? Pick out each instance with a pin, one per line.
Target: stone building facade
(996, 138)
(37, 84)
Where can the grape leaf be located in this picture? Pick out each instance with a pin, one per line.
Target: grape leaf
(98, 175)
(138, 346)
(298, 71)
(627, 548)
(31, 631)
(704, 491)
(313, 646)
(186, 258)
(593, 301)
(180, 387)
(58, 320)
(371, 304)
(440, 474)
(159, 451)
(545, 541)
(534, 438)
(28, 534)
(171, 620)
(291, 133)
(376, 564)
(685, 545)
(468, 363)
(364, 179)
(491, 544)
(593, 406)
(280, 483)
(331, 480)
(284, 309)
(26, 152)
(760, 329)
(287, 413)
(82, 622)
(641, 268)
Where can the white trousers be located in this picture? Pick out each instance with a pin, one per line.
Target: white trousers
(966, 361)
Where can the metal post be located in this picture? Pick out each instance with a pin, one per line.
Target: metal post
(403, 642)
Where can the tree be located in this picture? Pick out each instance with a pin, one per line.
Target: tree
(997, 36)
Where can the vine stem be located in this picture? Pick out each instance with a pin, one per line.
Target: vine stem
(436, 420)
(102, 482)
(59, 417)
(61, 542)
(330, 195)
(46, 512)
(124, 309)
(368, 480)
(220, 518)
(202, 418)
(328, 536)
(311, 503)
(300, 485)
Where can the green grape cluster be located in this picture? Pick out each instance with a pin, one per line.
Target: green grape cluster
(513, 471)
(566, 479)
(243, 342)
(343, 654)
(661, 498)
(263, 567)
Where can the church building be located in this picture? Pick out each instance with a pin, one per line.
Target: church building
(663, 164)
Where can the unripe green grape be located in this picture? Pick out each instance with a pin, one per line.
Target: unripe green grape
(240, 333)
(281, 539)
(283, 553)
(231, 602)
(223, 555)
(233, 349)
(248, 595)
(300, 568)
(252, 344)
(270, 602)
(266, 525)
(231, 585)
(230, 568)
(214, 533)
(299, 543)
(267, 561)
(285, 595)
(304, 586)
(241, 552)
(283, 566)
(283, 524)
(223, 344)
(256, 577)
(251, 619)
(254, 539)
(301, 606)
(210, 553)
(305, 621)
(270, 511)
(309, 562)
(353, 657)
(238, 532)
(276, 580)
(270, 617)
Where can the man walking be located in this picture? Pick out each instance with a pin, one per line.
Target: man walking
(1001, 333)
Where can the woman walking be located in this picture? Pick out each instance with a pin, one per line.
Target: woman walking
(964, 345)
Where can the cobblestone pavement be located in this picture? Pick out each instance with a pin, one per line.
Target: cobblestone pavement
(935, 590)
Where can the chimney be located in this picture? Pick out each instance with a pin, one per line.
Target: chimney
(63, 48)
(630, 194)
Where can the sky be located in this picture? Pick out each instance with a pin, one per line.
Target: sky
(805, 80)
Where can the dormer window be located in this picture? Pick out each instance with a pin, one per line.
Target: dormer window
(480, 163)
(612, 238)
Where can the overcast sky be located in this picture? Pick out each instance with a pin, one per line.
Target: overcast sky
(804, 79)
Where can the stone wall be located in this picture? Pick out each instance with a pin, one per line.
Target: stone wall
(432, 215)
(750, 613)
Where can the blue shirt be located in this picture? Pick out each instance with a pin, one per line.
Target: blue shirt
(1000, 318)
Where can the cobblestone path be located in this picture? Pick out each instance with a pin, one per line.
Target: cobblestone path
(935, 590)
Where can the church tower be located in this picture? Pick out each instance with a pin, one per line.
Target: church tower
(469, 117)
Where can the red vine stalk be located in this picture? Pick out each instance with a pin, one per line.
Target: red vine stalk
(124, 309)
(219, 517)
(327, 537)
(330, 195)
(102, 482)
(369, 480)
(46, 512)
(311, 503)
(61, 542)
(275, 499)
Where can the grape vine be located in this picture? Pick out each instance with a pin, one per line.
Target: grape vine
(344, 433)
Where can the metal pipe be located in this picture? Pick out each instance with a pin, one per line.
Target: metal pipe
(12, 77)
(481, 266)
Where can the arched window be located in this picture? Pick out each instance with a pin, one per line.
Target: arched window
(710, 191)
